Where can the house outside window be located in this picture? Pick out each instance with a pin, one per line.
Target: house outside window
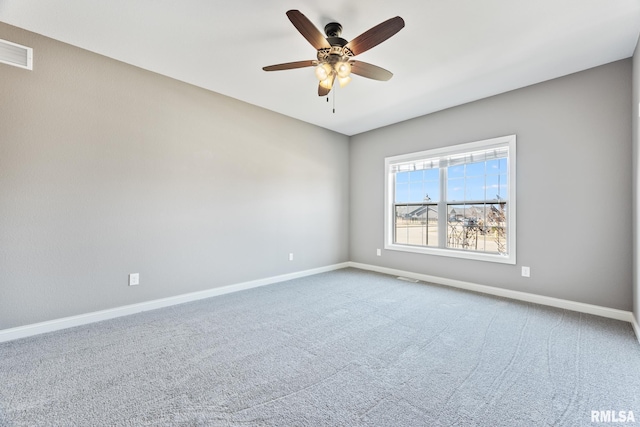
(456, 201)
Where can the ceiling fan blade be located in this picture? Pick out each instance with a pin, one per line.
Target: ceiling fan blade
(290, 65)
(370, 71)
(323, 90)
(375, 35)
(308, 30)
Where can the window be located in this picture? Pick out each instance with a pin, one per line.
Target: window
(456, 201)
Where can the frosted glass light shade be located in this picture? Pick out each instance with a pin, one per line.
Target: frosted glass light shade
(344, 81)
(343, 69)
(323, 71)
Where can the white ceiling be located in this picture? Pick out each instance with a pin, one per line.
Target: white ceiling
(449, 53)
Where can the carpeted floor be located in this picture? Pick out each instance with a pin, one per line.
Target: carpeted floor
(345, 348)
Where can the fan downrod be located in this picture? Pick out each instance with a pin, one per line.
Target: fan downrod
(333, 29)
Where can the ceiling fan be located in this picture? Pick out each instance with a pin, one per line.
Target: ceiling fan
(335, 53)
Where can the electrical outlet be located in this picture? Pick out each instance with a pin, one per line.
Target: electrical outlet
(379, 252)
(134, 279)
(291, 257)
(526, 272)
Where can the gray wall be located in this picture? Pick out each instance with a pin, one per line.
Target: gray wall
(573, 186)
(107, 169)
(636, 181)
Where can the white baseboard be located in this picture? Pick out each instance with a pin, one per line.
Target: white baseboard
(636, 328)
(611, 313)
(97, 316)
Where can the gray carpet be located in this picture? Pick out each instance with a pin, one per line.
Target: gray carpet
(345, 348)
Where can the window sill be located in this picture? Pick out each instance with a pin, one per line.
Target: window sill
(453, 253)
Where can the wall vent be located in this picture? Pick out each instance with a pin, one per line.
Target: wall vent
(16, 55)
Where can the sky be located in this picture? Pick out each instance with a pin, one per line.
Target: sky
(486, 180)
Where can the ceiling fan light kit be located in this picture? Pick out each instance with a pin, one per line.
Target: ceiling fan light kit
(334, 54)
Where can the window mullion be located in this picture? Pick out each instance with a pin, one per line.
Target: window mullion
(442, 209)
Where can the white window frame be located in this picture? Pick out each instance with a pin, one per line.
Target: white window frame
(508, 141)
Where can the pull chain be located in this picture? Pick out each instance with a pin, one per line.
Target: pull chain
(334, 100)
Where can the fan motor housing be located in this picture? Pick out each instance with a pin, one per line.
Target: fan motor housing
(333, 31)
(338, 51)
(334, 54)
